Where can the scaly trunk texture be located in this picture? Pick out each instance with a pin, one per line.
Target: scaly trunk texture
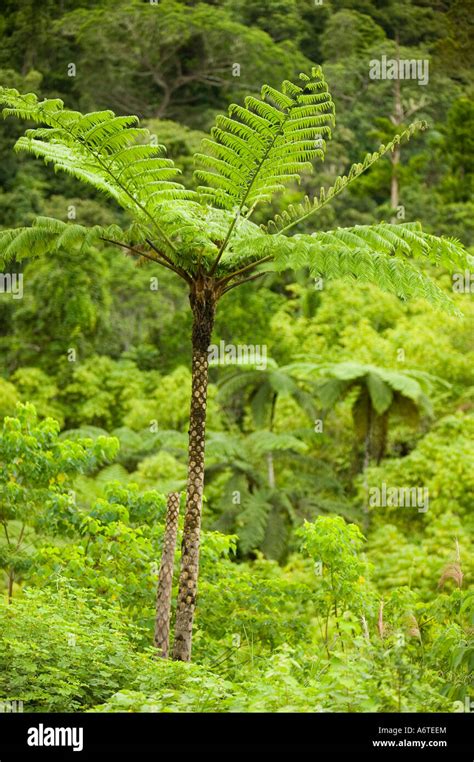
(203, 302)
(165, 578)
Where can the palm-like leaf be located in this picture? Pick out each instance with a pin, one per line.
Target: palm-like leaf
(258, 149)
(263, 387)
(252, 154)
(383, 385)
(381, 254)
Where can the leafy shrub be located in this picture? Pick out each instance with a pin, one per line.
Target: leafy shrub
(63, 651)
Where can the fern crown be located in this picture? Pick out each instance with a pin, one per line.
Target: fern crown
(252, 154)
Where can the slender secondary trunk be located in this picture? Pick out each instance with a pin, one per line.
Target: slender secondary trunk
(11, 577)
(394, 184)
(367, 453)
(165, 578)
(397, 119)
(271, 466)
(203, 301)
(271, 471)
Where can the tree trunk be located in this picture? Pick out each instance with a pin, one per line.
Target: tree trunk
(367, 453)
(394, 184)
(165, 579)
(271, 471)
(11, 577)
(271, 466)
(203, 301)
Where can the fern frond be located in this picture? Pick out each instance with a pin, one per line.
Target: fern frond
(262, 442)
(44, 236)
(110, 153)
(299, 212)
(262, 146)
(377, 254)
(47, 235)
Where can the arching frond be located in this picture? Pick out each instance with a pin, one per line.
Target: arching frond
(299, 212)
(44, 236)
(48, 235)
(111, 153)
(262, 146)
(384, 385)
(253, 152)
(377, 254)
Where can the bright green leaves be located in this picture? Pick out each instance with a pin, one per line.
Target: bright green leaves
(77, 646)
(407, 239)
(110, 153)
(383, 385)
(44, 236)
(37, 469)
(35, 464)
(253, 153)
(336, 546)
(377, 254)
(261, 147)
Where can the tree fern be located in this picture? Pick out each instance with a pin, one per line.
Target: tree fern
(383, 384)
(251, 155)
(207, 237)
(262, 388)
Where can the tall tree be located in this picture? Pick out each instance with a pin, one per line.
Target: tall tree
(207, 238)
(165, 58)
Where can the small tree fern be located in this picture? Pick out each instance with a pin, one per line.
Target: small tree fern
(207, 237)
(380, 393)
(262, 388)
(259, 514)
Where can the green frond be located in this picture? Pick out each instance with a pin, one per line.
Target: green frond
(252, 521)
(262, 442)
(253, 153)
(47, 235)
(377, 254)
(385, 386)
(299, 212)
(109, 152)
(260, 147)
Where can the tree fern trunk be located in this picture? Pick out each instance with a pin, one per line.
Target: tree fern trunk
(366, 464)
(271, 466)
(203, 305)
(271, 471)
(165, 579)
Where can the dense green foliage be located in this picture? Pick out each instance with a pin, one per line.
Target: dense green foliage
(316, 593)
